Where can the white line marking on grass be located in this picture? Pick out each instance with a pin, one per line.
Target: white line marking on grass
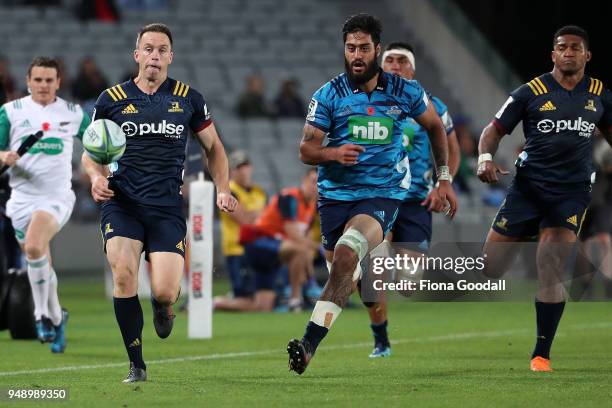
(218, 356)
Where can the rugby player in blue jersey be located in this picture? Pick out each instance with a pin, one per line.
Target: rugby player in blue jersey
(552, 188)
(412, 227)
(363, 169)
(141, 193)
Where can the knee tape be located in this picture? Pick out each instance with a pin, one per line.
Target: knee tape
(356, 241)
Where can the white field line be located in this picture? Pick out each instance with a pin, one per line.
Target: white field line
(219, 356)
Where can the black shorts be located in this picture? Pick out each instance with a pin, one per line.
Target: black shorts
(413, 226)
(160, 229)
(335, 214)
(598, 220)
(531, 205)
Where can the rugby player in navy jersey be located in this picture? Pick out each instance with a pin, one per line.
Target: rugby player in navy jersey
(140, 195)
(363, 169)
(552, 188)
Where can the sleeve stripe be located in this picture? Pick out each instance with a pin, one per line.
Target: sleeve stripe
(176, 87)
(180, 91)
(537, 87)
(595, 86)
(110, 92)
(499, 126)
(539, 82)
(185, 91)
(121, 91)
(117, 93)
(203, 126)
(532, 88)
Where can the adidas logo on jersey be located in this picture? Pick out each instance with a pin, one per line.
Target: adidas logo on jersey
(129, 109)
(25, 123)
(175, 107)
(590, 105)
(548, 106)
(573, 220)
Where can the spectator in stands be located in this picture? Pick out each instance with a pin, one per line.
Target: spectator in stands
(101, 10)
(143, 4)
(288, 103)
(279, 236)
(65, 90)
(467, 147)
(2, 93)
(8, 82)
(252, 200)
(89, 82)
(252, 102)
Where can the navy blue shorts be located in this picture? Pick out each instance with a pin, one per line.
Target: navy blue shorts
(160, 229)
(336, 214)
(263, 256)
(241, 277)
(413, 226)
(532, 205)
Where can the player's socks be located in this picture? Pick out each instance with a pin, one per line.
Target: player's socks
(39, 276)
(55, 310)
(313, 335)
(380, 334)
(129, 317)
(321, 320)
(548, 316)
(301, 351)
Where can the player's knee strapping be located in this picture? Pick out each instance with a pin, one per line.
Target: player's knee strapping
(359, 244)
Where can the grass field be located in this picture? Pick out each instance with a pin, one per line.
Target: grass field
(444, 354)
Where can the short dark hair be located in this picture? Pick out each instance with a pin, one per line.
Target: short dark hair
(46, 62)
(572, 30)
(365, 23)
(398, 45)
(154, 28)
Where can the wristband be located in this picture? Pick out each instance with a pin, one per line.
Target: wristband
(484, 158)
(443, 173)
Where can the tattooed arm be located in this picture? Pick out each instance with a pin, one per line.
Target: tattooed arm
(313, 152)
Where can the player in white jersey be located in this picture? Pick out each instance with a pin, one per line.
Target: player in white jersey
(41, 198)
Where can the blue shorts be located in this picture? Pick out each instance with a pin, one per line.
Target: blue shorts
(160, 229)
(531, 205)
(335, 214)
(413, 226)
(263, 256)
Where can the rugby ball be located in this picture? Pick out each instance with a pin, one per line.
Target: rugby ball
(104, 141)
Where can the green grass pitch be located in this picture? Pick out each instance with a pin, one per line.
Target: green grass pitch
(444, 354)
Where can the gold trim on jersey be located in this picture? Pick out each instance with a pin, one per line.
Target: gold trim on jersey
(129, 110)
(595, 86)
(116, 92)
(180, 89)
(548, 106)
(537, 86)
